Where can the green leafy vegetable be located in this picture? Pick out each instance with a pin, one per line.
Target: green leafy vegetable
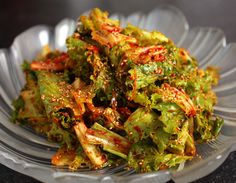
(140, 124)
(110, 141)
(119, 94)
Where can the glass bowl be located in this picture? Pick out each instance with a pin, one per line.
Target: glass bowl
(26, 152)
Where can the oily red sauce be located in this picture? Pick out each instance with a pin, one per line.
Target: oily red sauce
(93, 48)
(180, 97)
(94, 132)
(61, 58)
(56, 64)
(111, 28)
(158, 71)
(63, 157)
(97, 111)
(123, 146)
(117, 141)
(124, 111)
(150, 53)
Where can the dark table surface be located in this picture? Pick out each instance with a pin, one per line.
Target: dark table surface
(16, 16)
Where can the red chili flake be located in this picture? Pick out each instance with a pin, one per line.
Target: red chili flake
(103, 158)
(90, 132)
(117, 141)
(56, 64)
(150, 53)
(93, 48)
(158, 71)
(124, 111)
(192, 112)
(61, 58)
(101, 132)
(96, 111)
(137, 128)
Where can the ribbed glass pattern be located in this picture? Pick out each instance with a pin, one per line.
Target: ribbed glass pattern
(24, 151)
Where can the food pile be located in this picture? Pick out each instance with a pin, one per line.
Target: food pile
(119, 95)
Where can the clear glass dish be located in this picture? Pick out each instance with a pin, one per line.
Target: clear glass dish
(24, 151)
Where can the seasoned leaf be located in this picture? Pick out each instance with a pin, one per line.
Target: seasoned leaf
(161, 139)
(93, 152)
(172, 117)
(109, 140)
(144, 37)
(63, 137)
(140, 124)
(143, 157)
(56, 93)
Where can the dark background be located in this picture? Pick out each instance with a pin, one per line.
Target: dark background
(17, 16)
